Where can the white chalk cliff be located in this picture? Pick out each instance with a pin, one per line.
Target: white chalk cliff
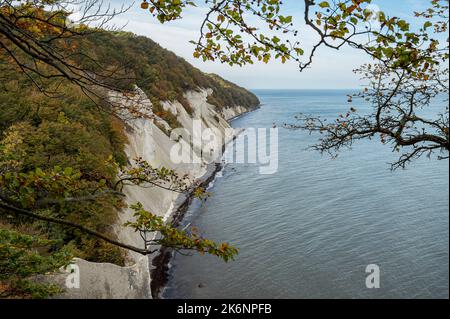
(148, 141)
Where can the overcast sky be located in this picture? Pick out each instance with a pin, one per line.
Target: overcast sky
(331, 69)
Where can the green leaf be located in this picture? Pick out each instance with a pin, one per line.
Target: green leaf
(427, 25)
(68, 171)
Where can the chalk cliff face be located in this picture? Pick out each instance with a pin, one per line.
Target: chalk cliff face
(148, 141)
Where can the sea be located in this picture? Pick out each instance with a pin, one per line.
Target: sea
(321, 227)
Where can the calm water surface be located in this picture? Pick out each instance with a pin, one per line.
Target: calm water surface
(310, 230)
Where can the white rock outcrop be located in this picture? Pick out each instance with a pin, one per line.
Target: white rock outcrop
(147, 141)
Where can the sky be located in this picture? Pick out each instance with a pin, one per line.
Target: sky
(331, 69)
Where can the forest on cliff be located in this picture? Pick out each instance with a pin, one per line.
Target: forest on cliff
(58, 141)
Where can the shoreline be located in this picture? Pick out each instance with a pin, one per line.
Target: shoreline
(244, 113)
(159, 274)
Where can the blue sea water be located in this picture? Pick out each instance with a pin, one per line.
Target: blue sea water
(310, 230)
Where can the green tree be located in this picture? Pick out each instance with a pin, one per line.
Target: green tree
(20, 259)
(37, 37)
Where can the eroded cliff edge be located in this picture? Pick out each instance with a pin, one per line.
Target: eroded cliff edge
(149, 139)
